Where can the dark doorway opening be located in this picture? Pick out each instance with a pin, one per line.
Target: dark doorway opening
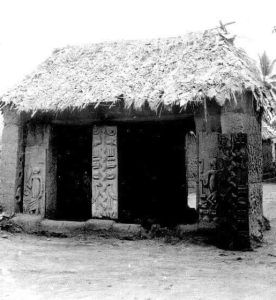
(152, 174)
(74, 148)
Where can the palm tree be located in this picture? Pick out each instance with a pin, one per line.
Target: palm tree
(269, 79)
(266, 65)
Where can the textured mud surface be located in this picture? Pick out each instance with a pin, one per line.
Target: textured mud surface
(35, 267)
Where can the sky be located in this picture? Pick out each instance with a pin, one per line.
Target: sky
(31, 29)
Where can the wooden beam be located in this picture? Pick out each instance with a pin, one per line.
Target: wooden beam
(122, 119)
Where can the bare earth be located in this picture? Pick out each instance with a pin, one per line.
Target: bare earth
(33, 267)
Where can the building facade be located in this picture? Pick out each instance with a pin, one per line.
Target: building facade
(82, 141)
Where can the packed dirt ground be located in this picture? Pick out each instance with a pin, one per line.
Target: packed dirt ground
(39, 267)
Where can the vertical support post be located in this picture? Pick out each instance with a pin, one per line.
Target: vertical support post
(51, 175)
(232, 191)
(191, 161)
(39, 172)
(207, 132)
(34, 181)
(104, 172)
(245, 119)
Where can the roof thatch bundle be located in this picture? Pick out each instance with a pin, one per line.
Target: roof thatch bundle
(268, 132)
(165, 72)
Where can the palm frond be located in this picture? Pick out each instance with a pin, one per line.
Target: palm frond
(270, 69)
(264, 64)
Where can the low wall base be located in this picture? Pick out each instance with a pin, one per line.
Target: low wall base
(108, 228)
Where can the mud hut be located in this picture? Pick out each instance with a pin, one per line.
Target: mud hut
(268, 142)
(99, 131)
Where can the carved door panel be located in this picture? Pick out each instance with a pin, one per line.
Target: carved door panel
(104, 172)
(34, 180)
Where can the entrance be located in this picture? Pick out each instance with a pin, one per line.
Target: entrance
(74, 148)
(152, 175)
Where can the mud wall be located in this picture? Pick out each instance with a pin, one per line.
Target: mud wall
(11, 163)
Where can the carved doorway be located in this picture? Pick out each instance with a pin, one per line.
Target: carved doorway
(74, 147)
(152, 175)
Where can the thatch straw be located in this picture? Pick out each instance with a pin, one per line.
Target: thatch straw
(268, 132)
(162, 71)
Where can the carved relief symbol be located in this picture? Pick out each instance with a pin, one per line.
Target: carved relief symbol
(209, 181)
(33, 191)
(104, 172)
(97, 136)
(111, 136)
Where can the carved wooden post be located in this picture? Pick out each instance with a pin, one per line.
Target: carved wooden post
(232, 191)
(34, 180)
(37, 172)
(207, 151)
(245, 119)
(208, 143)
(104, 172)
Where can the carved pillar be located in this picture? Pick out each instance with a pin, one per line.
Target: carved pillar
(245, 119)
(39, 172)
(104, 172)
(191, 161)
(11, 167)
(207, 132)
(219, 166)
(51, 174)
(232, 193)
(34, 180)
(208, 152)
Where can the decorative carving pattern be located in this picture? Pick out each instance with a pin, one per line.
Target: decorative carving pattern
(19, 183)
(105, 172)
(233, 196)
(208, 174)
(208, 195)
(34, 181)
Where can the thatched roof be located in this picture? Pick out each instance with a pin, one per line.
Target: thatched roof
(161, 71)
(268, 132)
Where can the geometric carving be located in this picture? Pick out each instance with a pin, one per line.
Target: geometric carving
(233, 195)
(34, 180)
(19, 183)
(104, 172)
